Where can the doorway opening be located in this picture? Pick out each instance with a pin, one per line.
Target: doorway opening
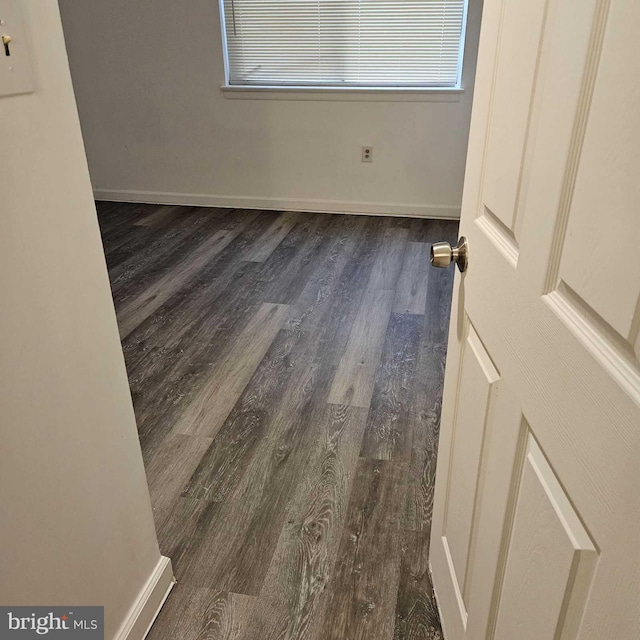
(286, 371)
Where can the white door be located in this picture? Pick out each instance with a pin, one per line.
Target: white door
(536, 526)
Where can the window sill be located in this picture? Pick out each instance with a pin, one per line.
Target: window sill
(348, 94)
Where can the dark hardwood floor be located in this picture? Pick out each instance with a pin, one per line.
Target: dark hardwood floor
(286, 372)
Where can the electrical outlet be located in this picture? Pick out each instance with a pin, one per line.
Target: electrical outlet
(367, 154)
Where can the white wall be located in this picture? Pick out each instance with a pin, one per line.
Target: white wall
(76, 525)
(147, 77)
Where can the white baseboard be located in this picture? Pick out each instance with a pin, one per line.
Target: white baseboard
(442, 625)
(146, 608)
(445, 212)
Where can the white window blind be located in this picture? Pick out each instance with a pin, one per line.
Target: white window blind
(370, 43)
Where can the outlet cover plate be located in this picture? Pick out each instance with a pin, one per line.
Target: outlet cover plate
(16, 75)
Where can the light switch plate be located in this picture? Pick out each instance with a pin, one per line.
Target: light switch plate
(16, 75)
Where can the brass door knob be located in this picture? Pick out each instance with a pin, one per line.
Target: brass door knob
(442, 255)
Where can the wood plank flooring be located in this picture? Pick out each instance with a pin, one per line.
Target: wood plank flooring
(286, 371)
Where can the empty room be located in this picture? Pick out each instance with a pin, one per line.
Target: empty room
(307, 330)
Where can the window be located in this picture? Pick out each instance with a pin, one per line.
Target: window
(344, 43)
